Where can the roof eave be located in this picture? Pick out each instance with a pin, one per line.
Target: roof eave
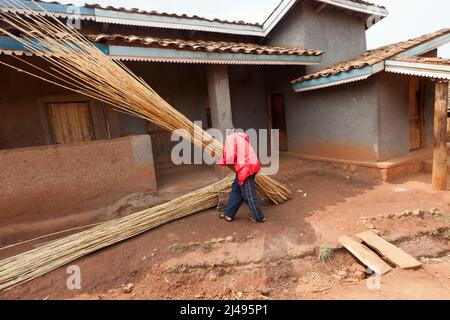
(173, 55)
(146, 20)
(283, 8)
(142, 20)
(10, 46)
(358, 7)
(428, 70)
(425, 47)
(338, 79)
(354, 75)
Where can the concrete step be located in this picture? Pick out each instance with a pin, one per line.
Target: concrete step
(428, 166)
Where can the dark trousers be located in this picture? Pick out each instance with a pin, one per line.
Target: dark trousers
(245, 193)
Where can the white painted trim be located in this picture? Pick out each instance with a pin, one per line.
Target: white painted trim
(418, 69)
(49, 14)
(419, 73)
(336, 83)
(146, 20)
(350, 5)
(180, 26)
(207, 61)
(418, 65)
(275, 17)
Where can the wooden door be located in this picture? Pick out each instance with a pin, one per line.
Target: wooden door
(415, 113)
(278, 119)
(70, 122)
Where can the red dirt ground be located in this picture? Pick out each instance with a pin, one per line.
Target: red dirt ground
(193, 258)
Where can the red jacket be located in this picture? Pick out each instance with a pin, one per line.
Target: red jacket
(238, 152)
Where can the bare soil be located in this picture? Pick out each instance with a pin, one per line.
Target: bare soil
(203, 257)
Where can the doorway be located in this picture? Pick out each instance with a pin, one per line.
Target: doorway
(278, 119)
(416, 113)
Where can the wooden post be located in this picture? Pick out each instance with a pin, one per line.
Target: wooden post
(440, 136)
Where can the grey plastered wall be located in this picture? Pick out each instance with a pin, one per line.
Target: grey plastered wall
(393, 94)
(340, 35)
(184, 86)
(249, 96)
(337, 122)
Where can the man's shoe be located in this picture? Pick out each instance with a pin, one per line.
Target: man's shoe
(223, 216)
(253, 219)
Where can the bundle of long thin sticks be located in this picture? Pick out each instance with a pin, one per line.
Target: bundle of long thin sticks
(32, 264)
(78, 65)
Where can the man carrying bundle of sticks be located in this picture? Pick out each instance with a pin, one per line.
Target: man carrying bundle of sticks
(238, 152)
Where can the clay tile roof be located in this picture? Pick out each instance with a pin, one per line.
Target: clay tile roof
(173, 15)
(373, 57)
(368, 3)
(204, 46)
(182, 16)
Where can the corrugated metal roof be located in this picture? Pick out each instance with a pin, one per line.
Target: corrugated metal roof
(435, 68)
(425, 60)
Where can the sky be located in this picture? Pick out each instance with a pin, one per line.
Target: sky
(407, 18)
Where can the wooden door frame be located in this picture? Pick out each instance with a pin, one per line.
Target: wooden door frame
(270, 122)
(96, 110)
(421, 110)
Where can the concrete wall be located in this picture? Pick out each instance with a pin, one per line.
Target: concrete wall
(336, 122)
(43, 183)
(339, 122)
(249, 96)
(184, 86)
(340, 35)
(219, 98)
(24, 117)
(393, 94)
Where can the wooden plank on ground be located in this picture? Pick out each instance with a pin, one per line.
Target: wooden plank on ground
(365, 255)
(388, 250)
